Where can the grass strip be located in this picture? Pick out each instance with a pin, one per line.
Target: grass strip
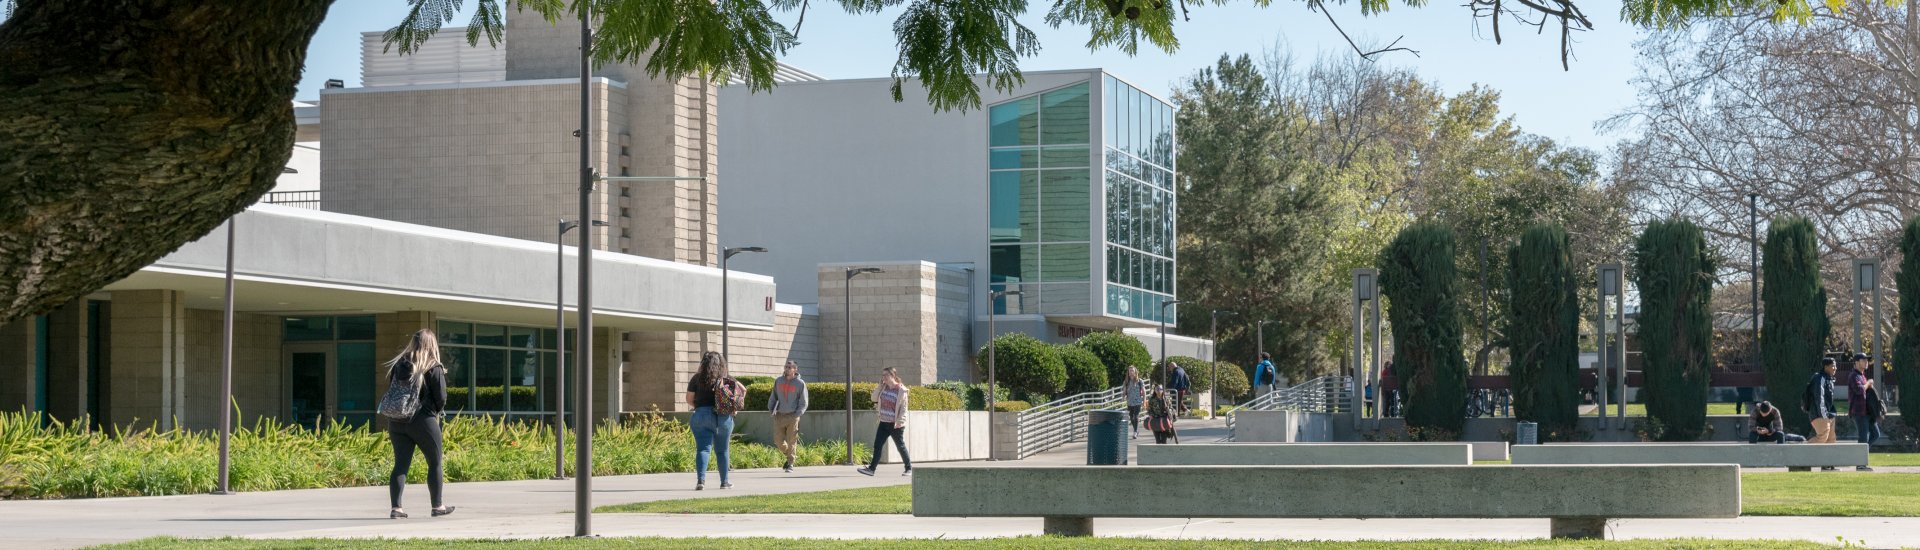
(1035, 543)
(896, 499)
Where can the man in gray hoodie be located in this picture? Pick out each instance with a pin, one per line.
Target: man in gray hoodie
(787, 402)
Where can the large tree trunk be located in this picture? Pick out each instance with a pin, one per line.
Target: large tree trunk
(128, 128)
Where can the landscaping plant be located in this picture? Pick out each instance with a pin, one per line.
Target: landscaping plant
(1421, 287)
(1085, 372)
(1544, 332)
(1794, 331)
(1117, 351)
(1906, 345)
(1028, 367)
(1673, 270)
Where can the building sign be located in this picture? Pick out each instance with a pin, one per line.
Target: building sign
(1071, 332)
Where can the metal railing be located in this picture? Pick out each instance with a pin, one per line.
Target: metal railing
(1326, 394)
(298, 199)
(1063, 420)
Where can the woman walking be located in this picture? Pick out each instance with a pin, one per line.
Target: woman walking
(1136, 396)
(1161, 414)
(890, 400)
(417, 369)
(710, 430)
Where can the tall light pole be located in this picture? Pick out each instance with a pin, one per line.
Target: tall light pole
(993, 388)
(1866, 278)
(1213, 359)
(560, 345)
(1366, 288)
(583, 423)
(848, 297)
(1609, 279)
(226, 372)
(1164, 361)
(1753, 262)
(726, 327)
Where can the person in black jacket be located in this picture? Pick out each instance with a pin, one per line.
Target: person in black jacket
(420, 361)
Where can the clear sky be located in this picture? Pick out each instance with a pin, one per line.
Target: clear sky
(1456, 51)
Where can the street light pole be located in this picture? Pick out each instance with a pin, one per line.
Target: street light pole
(725, 326)
(560, 345)
(226, 373)
(848, 300)
(1753, 262)
(1163, 340)
(1213, 359)
(993, 387)
(583, 423)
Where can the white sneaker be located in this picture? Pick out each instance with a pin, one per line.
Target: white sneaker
(908, 473)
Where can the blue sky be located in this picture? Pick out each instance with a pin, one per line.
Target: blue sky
(1563, 105)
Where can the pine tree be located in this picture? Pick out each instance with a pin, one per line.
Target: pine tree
(1422, 287)
(1673, 270)
(1906, 346)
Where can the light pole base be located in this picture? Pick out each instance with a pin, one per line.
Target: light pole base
(558, 478)
(227, 493)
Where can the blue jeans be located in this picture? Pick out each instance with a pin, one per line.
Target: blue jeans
(1866, 429)
(710, 435)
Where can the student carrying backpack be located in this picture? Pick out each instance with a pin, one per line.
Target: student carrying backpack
(715, 396)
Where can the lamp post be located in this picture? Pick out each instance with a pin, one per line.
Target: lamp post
(1163, 340)
(726, 327)
(1213, 359)
(560, 346)
(583, 423)
(1866, 278)
(848, 297)
(226, 373)
(1753, 262)
(993, 388)
(1609, 285)
(1365, 289)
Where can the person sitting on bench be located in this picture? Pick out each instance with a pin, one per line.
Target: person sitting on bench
(1767, 425)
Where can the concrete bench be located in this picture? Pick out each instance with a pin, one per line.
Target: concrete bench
(1747, 455)
(1578, 500)
(1307, 454)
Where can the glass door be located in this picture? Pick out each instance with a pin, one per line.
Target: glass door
(310, 383)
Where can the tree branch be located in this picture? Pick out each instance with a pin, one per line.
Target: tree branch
(1368, 55)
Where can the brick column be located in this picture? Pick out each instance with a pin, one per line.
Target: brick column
(148, 361)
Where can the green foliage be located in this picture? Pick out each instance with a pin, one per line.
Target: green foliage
(1794, 330)
(1233, 383)
(975, 395)
(1011, 406)
(1085, 373)
(832, 396)
(1117, 351)
(1199, 372)
(1421, 287)
(1544, 335)
(61, 460)
(1906, 344)
(751, 380)
(489, 398)
(1031, 369)
(922, 398)
(1673, 270)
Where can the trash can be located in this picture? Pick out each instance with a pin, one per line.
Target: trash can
(1526, 433)
(1106, 438)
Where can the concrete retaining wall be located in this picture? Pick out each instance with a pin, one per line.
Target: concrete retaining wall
(1604, 491)
(932, 436)
(1750, 456)
(1281, 427)
(1720, 427)
(1307, 454)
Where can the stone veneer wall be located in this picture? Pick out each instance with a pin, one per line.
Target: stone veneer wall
(910, 317)
(259, 377)
(149, 358)
(795, 337)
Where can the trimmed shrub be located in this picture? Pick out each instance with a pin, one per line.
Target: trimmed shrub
(1422, 291)
(1544, 329)
(922, 398)
(974, 395)
(1906, 344)
(489, 398)
(1794, 331)
(1027, 367)
(1011, 406)
(751, 380)
(1233, 381)
(1198, 372)
(831, 396)
(1117, 351)
(1085, 372)
(1674, 272)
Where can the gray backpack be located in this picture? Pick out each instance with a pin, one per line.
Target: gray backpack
(402, 399)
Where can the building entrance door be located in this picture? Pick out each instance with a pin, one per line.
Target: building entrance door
(311, 390)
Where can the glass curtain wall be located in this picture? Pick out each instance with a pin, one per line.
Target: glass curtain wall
(1041, 201)
(356, 369)
(1139, 191)
(498, 369)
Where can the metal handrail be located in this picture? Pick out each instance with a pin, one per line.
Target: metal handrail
(1062, 420)
(1326, 394)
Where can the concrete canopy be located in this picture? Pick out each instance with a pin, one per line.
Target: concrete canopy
(293, 261)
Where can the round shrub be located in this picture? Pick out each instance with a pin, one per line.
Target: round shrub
(1027, 366)
(1233, 383)
(1198, 372)
(1116, 351)
(1085, 372)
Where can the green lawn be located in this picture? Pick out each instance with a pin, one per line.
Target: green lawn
(1037, 543)
(1894, 459)
(1640, 409)
(1764, 494)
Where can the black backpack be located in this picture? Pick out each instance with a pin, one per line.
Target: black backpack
(1807, 397)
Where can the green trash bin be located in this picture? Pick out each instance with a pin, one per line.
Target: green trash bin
(1106, 438)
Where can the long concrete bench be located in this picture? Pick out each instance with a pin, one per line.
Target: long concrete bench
(1307, 454)
(1577, 499)
(1757, 455)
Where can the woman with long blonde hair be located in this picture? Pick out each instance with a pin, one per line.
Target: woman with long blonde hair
(1136, 391)
(418, 366)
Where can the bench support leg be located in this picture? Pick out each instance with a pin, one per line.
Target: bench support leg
(1068, 526)
(1578, 528)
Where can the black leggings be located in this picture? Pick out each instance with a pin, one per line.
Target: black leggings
(880, 435)
(1133, 418)
(422, 432)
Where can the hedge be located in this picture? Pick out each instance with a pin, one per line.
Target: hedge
(1793, 336)
(1011, 406)
(525, 398)
(1026, 366)
(831, 396)
(974, 395)
(1085, 372)
(1673, 270)
(751, 380)
(1117, 351)
(1421, 287)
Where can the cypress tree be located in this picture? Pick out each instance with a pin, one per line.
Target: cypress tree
(1421, 285)
(1674, 273)
(1544, 315)
(1795, 328)
(1906, 346)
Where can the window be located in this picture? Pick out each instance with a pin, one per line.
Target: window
(500, 370)
(1041, 199)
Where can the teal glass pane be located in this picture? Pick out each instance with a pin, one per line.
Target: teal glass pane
(1066, 262)
(1113, 264)
(1069, 299)
(1065, 196)
(520, 337)
(1116, 199)
(459, 363)
(1143, 212)
(356, 371)
(1015, 123)
(1109, 122)
(357, 327)
(456, 333)
(1014, 264)
(1002, 159)
(1167, 125)
(489, 335)
(307, 329)
(1137, 269)
(489, 379)
(523, 391)
(1064, 157)
(1014, 206)
(1066, 115)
